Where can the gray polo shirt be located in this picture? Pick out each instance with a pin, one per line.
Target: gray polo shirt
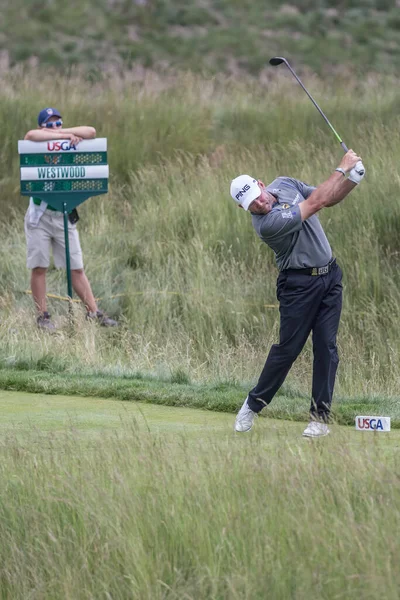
(297, 244)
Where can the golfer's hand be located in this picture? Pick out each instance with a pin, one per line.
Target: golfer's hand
(357, 173)
(349, 160)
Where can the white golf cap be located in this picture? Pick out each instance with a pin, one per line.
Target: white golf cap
(245, 189)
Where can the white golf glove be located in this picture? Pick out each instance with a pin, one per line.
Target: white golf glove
(357, 173)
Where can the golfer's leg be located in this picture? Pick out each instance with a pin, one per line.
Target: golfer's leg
(299, 301)
(326, 357)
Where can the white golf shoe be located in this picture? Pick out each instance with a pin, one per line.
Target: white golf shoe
(316, 429)
(245, 418)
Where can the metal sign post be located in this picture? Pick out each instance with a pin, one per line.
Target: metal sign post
(64, 176)
(67, 254)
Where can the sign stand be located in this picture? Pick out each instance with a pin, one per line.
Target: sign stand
(64, 176)
(67, 255)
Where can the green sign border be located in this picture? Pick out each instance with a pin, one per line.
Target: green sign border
(58, 159)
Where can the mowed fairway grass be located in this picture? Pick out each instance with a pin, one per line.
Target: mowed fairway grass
(108, 499)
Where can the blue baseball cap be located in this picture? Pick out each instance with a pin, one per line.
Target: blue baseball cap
(45, 115)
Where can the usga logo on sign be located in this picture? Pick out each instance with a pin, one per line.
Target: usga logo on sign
(60, 146)
(373, 423)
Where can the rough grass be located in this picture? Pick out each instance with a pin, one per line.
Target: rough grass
(202, 514)
(169, 254)
(206, 37)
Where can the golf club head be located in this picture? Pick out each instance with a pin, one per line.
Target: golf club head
(276, 60)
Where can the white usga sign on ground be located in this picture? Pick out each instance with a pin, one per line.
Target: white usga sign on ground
(373, 423)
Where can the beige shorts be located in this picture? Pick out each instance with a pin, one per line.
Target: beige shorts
(50, 233)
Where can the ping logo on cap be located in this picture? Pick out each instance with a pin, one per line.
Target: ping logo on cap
(244, 189)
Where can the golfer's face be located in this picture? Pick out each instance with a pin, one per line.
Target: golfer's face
(263, 204)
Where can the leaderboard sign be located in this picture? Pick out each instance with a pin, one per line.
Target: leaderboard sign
(58, 171)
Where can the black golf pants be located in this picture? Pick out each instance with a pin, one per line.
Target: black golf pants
(307, 303)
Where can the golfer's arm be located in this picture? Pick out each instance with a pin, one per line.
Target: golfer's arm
(329, 193)
(85, 132)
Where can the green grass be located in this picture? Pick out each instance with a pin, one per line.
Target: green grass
(206, 37)
(123, 490)
(289, 403)
(22, 412)
(173, 259)
(93, 416)
(105, 499)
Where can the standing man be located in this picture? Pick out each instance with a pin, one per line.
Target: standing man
(44, 227)
(309, 285)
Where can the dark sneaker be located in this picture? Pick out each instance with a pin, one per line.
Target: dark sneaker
(44, 322)
(102, 319)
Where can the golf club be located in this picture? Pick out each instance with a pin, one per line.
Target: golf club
(278, 60)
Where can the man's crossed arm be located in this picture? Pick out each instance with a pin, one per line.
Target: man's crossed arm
(74, 134)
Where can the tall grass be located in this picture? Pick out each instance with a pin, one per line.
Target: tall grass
(235, 37)
(168, 252)
(132, 515)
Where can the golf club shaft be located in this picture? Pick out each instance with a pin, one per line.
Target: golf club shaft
(316, 106)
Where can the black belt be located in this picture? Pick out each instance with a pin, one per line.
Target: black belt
(314, 270)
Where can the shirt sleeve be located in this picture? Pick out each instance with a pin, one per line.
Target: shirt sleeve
(279, 223)
(304, 189)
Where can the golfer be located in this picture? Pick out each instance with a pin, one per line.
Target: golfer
(44, 227)
(309, 285)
